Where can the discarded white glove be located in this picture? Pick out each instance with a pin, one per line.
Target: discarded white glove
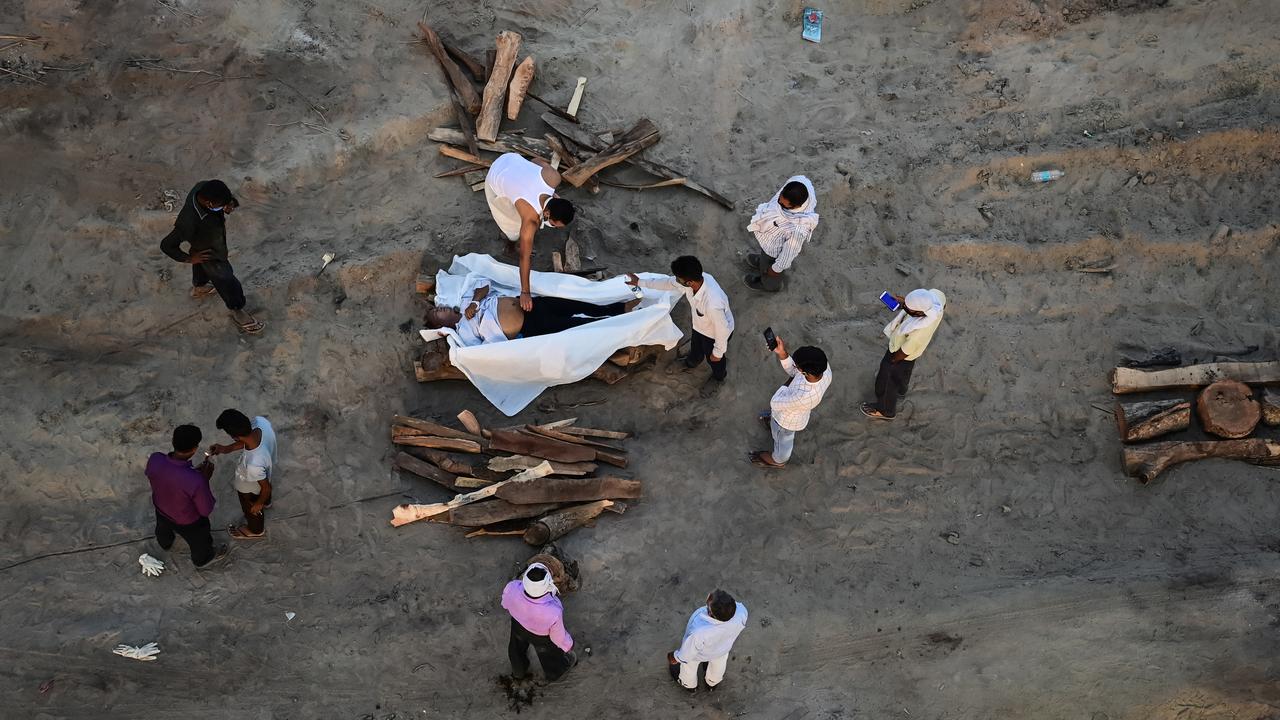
(150, 566)
(145, 653)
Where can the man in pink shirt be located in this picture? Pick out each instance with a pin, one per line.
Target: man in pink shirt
(537, 619)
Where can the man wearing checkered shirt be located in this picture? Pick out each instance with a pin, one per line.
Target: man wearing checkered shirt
(792, 404)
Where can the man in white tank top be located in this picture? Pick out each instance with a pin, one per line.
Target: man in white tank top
(522, 198)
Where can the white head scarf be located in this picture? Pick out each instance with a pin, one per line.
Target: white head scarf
(929, 302)
(538, 588)
(804, 216)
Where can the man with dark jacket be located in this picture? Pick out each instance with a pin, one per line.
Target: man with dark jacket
(182, 499)
(201, 224)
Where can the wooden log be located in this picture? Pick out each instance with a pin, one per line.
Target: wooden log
(413, 512)
(531, 444)
(610, 374)
(474, 179)
(585, 137)
(506, 142)
(436, 366)
(469, 61)
(455, 466)
(572, 254)
(576, 100)
(552, 108)
(458, 171)
(472, 482)
(463, 155)
(613, 458)
(555, 525)
(521, 79)
(1227, 409)
(521, 462)
(593, 432)
(643, 135)
(1270, 402)
(431, 428)
(469, 421)
(1145, 420)
(492, 511)
(566, 490)
(1130, 380)
(425, 470)
(1146, 462)
(490, 56)
(486, 532)
(557, 435)
(490, 116)
(471, 101)
(439, 443)
(569, 159)
(425, 284)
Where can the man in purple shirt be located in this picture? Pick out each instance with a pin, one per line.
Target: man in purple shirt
(537, 619)
(182, 497)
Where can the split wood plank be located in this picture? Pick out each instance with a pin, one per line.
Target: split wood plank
(407, 513)
(521, 79)
(471, 101)
(572, 255)
(558, 435)
(576, 100)
(459, 171)
(472, 482)
(564, 490)
(489, 119)
(593, 432)
(425, 470)
(483, 532)
(643, 135)
(506, 142)
(1146, 462)
(569, 159)
(463, 155)
(439, 443)
(473, 65)
(539, 446)
(431, 428)
(521, 462)
(469, 421)
(1131, 380)
(588, 139)
(454, 466)
(553, 108)
(493, 511)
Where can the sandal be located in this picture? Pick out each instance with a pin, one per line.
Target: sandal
(240, 532)
(872, 412)
(758, 460)
(252, 325)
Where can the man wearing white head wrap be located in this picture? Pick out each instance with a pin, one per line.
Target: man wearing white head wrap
(909, 334)
(537, 619)
(782, 226)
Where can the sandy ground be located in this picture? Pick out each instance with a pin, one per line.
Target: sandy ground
(1092, 597)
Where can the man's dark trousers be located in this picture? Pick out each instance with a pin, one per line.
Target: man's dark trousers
(255, 523)
(555, 662)
(891, 383)
(763, 264)
(699, 348)
(196, 534)
(224, 280)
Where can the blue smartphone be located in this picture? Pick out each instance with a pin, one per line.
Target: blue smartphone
(888, 301)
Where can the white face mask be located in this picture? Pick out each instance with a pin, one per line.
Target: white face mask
(545, 223)
(217, 209)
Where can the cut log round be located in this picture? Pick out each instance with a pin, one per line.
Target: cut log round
(1227, 409)
(1145, 462)
(1145, 420)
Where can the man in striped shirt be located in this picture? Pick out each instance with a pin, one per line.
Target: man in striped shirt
(782, 226)
(791, 405)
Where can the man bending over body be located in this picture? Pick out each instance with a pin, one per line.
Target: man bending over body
(488, 318)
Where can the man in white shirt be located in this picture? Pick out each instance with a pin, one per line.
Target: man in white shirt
(782, 226)
(712, 319)
(708, 637)
(791, 405)
(252, 481)
(909, 334)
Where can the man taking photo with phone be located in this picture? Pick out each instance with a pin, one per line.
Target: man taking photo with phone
(791, 405)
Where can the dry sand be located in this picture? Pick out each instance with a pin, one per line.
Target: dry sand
(1092, 597)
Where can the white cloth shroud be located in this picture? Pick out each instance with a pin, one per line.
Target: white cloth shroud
(511, 374)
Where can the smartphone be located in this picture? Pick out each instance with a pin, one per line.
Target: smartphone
(770, 339)
(888, 301)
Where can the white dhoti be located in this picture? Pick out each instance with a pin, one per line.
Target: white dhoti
(504, 213)
(509, 179)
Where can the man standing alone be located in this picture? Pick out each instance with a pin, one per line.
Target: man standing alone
(182, 499)
(708, 637)
(791, 405)
(537, 619)
(522, 198)
(782, 226)
(712, 319)
(253, 474)
(909, 334)
(201, 224)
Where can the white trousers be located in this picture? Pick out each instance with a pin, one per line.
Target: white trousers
(715, 672)
(504, 213)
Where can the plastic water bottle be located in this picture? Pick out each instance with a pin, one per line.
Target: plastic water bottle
(1044, 176)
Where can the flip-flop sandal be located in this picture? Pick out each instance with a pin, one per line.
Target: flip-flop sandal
(239, 533)
(760, 463)
(253, 327)
(765, 416)
(873, 413)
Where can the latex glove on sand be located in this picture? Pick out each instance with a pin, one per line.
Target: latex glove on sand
(151, 567)
(145, 653)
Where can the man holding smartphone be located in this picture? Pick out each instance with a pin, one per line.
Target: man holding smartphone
(791, 405)
(909, 334)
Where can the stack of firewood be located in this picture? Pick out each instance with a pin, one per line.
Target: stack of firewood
(1228, 407)
(536, 481)
(578, 152)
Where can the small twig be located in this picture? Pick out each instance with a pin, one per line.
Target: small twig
(37, 81)
(315, 108)
(25, 38)
(74, 68)
(744, 97)
(1102, 409)
(304, 123)
(223, 78)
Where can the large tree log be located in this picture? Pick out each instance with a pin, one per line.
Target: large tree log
(529, 444)
(521, 79)
(490, 117)
(1271, 407)
(439, 443)
(1227, 409)
(1128, 380)
(493, 511)
(521, 462)
(589, 139)
(431, 428)
(1145, 420)
(559, 523)
(506, 142)
(643, 135)
(426, 470)
(564, 490)
(1145, 462)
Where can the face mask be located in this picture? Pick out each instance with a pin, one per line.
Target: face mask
(545, 224)
(217, 209)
